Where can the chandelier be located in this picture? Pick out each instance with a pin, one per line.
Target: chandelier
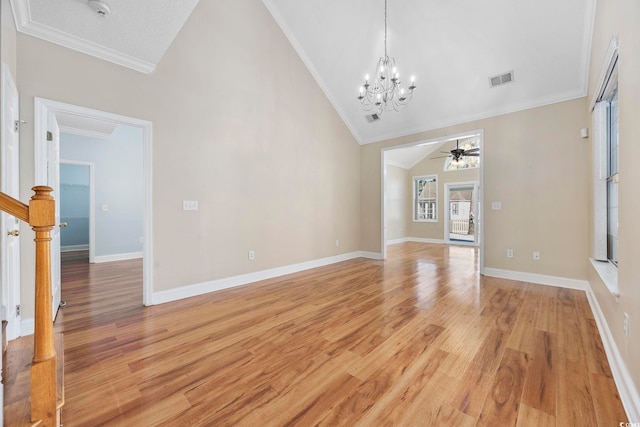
(385, 92)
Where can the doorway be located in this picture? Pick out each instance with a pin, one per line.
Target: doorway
(47, 161)
(401, 164)
(77, 211)
(461, 211)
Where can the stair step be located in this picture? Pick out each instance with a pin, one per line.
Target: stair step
(17, 384)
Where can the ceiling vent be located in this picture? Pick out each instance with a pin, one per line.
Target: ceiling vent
(372, 117)
(501, 79)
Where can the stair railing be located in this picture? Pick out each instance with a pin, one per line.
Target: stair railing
(40, 215)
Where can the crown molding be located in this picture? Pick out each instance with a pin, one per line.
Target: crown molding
(26, 25)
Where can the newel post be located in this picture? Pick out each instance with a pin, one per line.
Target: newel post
(43, 368)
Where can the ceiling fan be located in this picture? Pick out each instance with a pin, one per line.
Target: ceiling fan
(457, 153)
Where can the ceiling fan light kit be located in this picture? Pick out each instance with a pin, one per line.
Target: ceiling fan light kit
(385, 91)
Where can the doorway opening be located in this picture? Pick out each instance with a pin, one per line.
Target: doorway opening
(402, 165)
(48, 115)
(461, 209)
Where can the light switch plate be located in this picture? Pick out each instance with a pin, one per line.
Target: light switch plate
(189, 205)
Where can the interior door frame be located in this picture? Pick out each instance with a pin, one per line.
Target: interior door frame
(42, 107)
(383, 187)
(92, 208)
(447, 215)
(12, 291)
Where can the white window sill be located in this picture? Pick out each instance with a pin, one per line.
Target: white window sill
(608, 272)
(425, 220)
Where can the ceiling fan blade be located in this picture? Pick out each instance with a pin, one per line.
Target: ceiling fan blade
(472, 150)
(472, 154)
(446, 152)
(441, 157)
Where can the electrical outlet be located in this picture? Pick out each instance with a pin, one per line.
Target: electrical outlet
(509, 253)
(141, 240)
(626, 324)
(252, 255)
(536, 256)
(496, 206)
(337, 242)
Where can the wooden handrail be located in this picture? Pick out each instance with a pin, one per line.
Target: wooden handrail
(14, 207)
(40, 214)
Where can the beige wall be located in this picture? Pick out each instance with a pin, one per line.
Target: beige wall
(239, 124)
(431, 166)
(620, 18)
(535, 163)
(7, 37)
(398, 212)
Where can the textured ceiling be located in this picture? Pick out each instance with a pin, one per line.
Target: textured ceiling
(136, 34)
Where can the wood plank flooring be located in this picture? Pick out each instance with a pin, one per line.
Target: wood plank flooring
(418, 340)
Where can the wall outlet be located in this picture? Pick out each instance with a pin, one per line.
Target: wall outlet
(105, 207)
(496, 206)
(252, 255)
(509, 253)
(141, 240)
(189, 205)
(337, 242)
(626, 324)
(536, 256)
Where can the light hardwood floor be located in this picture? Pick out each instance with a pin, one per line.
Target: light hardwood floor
(419, 340)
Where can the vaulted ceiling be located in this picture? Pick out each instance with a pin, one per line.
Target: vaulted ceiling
(452, 47)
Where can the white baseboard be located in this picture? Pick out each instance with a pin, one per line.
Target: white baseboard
(370, 255)
(425, 240)
(243, 279)
(626, 388)
(396, 241)
(74, 248)
(540, 279)
(117, 257)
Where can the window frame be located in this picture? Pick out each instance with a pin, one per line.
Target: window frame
(431, 205)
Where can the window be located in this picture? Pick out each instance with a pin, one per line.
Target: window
(465, 162)
(605, 147)
(612, 176)
(425, 196)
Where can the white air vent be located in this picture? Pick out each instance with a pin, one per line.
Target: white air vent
(501, 79)
(372, 117)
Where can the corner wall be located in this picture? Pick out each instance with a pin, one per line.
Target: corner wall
(535, 163)
(620, 18)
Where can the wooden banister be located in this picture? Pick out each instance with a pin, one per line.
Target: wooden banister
(40, 214)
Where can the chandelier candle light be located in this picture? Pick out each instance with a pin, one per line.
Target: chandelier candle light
(385, 91)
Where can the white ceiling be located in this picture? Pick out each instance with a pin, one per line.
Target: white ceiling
(136, 34)
(452, 47)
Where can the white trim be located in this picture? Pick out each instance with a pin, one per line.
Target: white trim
(244, 279)
(609, 61)
(447, 215)
(371, 255)
(117, 257)
(25, 25)
(426, 240)
(307, 62)
(608, 273)
(74, 248)
(540, 279)
(41, 109)
(627, 390)
(553, 99)
(84, 132)
(396, 241)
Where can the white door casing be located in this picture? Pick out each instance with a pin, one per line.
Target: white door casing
(10, 244)
(42, 109)
(476, 209)
(53, 179)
